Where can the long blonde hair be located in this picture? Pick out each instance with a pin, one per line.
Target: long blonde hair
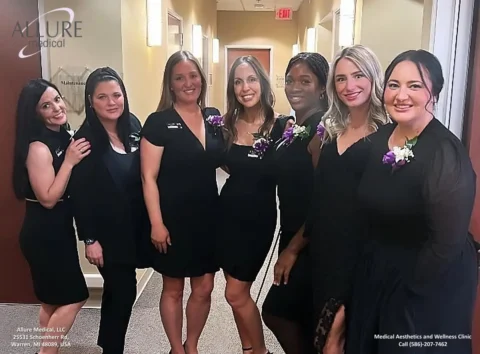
(336, 119)
(168, 97)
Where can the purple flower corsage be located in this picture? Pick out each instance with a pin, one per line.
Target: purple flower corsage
(216, 121)
(399, 156)
(260, 145)
(320, 130)
(292, 133)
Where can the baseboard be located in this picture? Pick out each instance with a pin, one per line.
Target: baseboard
(95, 285)
(94, 281)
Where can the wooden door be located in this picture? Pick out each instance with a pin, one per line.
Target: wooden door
(472, 141)
(263, 56)
(15, 283)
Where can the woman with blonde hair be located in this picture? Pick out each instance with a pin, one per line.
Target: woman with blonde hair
(354, 89)
(180, 152)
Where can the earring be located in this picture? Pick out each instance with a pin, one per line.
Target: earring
(322, 95)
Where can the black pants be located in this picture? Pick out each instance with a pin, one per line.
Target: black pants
(119, 293)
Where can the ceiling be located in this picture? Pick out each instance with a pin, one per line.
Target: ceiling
(249, 5)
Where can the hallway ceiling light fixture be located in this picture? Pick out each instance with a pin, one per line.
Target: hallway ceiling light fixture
(154, 23)
(347, 23)
(197, 41)
(215, 50)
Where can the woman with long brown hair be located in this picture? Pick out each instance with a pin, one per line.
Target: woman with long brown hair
(248, 198)
(180, 152)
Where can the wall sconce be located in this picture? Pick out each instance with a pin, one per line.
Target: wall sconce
(216, 50)
(347, 23)
(154, 23)
(311, 39)
(197, 41)
(295, 50)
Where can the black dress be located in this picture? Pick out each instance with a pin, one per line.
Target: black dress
(417, 276)
(333, 228)
(48, 240)
(295, 177)
(188, 193)
(249, 209)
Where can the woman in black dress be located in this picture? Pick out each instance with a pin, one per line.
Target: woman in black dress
(416, 282)
(109, 210)
(45, 156)
(248, 198)
(287, 310)
(180, 154)
(354, 90)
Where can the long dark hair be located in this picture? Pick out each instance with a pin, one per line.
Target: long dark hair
(100, 136)
(319, 67)
(29, 125)
(168, 97)
(234, 108)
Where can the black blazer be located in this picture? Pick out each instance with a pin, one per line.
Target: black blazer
(104, 212)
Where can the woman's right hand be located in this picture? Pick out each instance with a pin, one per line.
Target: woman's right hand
(77, 150)
(160, 238)
(94, 254)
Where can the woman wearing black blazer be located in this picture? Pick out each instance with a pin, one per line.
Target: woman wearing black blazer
(109, 210)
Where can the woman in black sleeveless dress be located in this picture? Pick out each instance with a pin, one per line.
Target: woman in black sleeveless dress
(248, 198)
(287, 310)
(333, 227)
(44, 158)
(416, 283)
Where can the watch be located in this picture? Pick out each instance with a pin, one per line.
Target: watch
(89, 241)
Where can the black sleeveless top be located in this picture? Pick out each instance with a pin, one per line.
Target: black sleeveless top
(295, 178)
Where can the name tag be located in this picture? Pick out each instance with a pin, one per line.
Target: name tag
(59, 152)
(253, 155)
(174, 126)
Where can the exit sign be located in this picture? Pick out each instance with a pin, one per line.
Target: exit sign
(283, 13)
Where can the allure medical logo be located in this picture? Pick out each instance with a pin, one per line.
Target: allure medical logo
(52, 35)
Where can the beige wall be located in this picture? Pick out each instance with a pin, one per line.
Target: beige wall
(390, 27)
(143, 65)
(257, 29)
(100, 44)
(309, 15)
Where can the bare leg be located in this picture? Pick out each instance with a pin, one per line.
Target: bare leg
(243, 334)
(198, 308)
(336, 337)
(246, 313)
(46, 311)
(58, 326)
(171, 312)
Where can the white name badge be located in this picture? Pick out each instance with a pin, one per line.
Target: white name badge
(174, 126)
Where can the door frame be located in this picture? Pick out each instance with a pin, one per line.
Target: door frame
(172, 13)
(450, 33)
(245, 46)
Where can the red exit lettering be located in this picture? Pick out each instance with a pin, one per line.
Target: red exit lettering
(284, 13)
